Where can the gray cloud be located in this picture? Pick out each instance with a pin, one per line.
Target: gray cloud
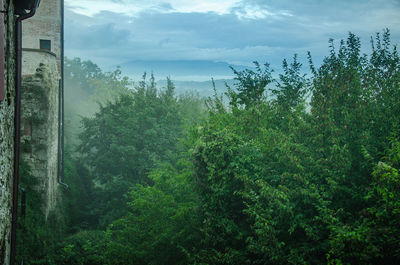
(287, 27)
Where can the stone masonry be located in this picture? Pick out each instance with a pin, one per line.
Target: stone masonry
(45, 25)
(41, 70)
(39, 130)
(41, 76)
(7, 22)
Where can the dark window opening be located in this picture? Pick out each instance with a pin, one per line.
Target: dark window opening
(45, 45)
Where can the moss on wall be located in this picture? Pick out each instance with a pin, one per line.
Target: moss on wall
(7, 132)
(39, 139)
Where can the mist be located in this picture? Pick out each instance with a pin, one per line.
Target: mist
(224, 132)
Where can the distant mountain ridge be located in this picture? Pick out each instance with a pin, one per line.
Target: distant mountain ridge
(202, 88)
(196, 70)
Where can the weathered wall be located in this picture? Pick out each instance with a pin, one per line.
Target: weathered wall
(43, 137)
(46, 24)
(41, 72)
(7, 132)
(31, 59)
(39, 130)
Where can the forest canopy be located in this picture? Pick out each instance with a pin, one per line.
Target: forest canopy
(281, 169)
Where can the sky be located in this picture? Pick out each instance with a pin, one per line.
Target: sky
(237, 32)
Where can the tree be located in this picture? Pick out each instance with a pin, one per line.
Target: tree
(250, 86)
(126, 139)
(292, 84)
(161, 226)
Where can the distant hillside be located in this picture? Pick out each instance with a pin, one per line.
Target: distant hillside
(197, 70)
(202, 88)
(205, 88)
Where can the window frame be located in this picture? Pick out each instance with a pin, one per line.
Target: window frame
(45, 44)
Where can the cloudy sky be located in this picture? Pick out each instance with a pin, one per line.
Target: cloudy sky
(114, 32)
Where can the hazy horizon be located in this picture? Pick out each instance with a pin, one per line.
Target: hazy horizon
(234, 32)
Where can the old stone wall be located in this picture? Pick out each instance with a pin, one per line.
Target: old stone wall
(7, 130)
(31, 59)
(45, 25)
(41, 75)
(40, 87)
(39, 130)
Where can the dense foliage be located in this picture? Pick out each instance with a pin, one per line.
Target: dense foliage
(297, 170)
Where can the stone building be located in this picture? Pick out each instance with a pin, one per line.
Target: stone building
(42, 58)
(36, 91)
(41, 37)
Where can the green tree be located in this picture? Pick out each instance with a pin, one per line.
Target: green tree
(250, 86)
(265, 180)
(161, 226)
(292, 84)
(126, 139)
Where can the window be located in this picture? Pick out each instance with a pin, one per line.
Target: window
(45, 45)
